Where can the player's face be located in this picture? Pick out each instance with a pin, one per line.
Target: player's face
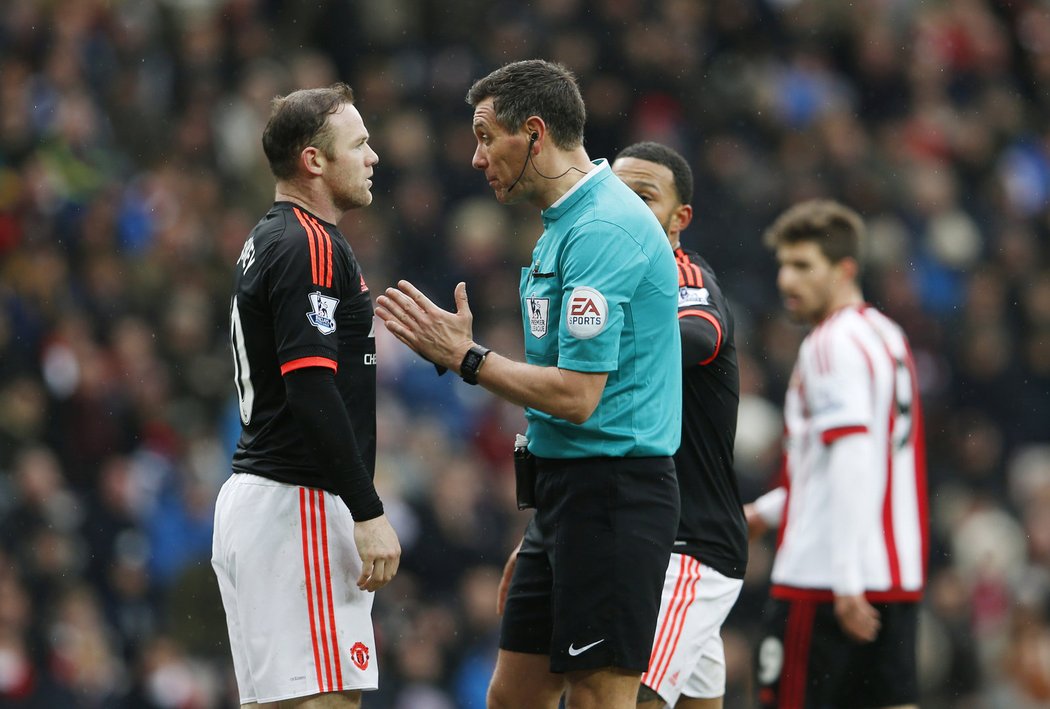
(500, 154)
(654, 183)
(348, 171)
(807, 280)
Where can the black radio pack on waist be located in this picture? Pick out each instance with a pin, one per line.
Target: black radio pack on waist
(524, 473)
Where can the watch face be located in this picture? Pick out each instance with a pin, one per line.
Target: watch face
(468, 369)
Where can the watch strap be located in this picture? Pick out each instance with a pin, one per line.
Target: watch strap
(472, 362)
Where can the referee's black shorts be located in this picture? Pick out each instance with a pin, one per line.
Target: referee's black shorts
(586, 587)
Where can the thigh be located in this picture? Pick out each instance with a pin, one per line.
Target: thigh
(605, 688)
(613, 536)
(524, 681)
(290, 562)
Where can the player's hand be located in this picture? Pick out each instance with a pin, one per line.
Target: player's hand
(858, 619)
(440, 336)
(504, 582)
(380, 552)
(756, 526)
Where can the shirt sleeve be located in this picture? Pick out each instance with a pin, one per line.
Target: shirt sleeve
(601, 266)
(839, 385)
(701, 315)
(303, 300)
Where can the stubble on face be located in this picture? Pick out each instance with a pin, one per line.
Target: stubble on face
(351, 168)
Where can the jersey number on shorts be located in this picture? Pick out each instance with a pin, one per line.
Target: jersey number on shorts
(242, 372)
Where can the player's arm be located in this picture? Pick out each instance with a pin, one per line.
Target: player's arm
(322, 418)
(444, 338)
(854, 489)
(842, 395)
(766, 512)
(701, 336)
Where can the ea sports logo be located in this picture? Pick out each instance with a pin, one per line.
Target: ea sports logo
(586, 313)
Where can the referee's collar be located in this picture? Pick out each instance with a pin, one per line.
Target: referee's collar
(595, 175)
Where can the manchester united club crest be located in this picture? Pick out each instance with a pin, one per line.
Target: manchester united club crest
(359, 656)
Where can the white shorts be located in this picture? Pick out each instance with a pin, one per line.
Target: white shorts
(287, 567)
(688, 657)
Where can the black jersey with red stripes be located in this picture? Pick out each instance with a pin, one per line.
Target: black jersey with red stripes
(712, 526)
(299, 300)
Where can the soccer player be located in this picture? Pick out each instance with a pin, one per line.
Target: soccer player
(850, 564)
(301, 541)
(687, 668)
(602, 389)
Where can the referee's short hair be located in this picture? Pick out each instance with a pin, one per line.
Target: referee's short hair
(299, 120)
(668, 157)
(836, 229)
(535, 87)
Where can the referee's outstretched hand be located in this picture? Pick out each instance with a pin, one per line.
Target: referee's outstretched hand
(441, 336)
(380, 552)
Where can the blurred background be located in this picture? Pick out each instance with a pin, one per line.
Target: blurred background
(131, 172)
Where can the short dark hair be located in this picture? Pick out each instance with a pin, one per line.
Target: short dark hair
(298, 120)
(836, 229)
(669, 158)
(535, 87)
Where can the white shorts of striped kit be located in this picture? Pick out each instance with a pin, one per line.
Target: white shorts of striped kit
(688, 657)
(287, 568)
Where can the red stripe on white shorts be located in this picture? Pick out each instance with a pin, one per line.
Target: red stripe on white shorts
(328, 587)
(673, 622)
(303, 529)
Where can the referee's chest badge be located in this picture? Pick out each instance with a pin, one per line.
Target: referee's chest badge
(323, 315)
(538, 309)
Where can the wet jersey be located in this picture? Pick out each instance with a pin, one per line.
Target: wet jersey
(299, 300)
(712, 527)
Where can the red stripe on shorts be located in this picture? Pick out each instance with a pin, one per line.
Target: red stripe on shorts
(659, 647)
(328, 586)
(694, 571)
(320, 592)
(309, 590)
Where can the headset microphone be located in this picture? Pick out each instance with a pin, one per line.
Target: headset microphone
(528, 156)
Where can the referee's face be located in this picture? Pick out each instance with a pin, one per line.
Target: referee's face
(502, 155)
(348, 171)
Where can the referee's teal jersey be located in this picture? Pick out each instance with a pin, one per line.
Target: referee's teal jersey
(601, 295)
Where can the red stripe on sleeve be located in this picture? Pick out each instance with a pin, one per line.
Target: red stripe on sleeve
(833, 434)
(718, 329)
(304, 362)
(324, 252)
(315, 248)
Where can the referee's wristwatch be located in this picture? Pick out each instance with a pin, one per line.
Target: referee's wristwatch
(472, 361)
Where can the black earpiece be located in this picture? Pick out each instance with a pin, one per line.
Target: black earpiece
(534, 137)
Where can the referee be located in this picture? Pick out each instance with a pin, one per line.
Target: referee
(601, 387)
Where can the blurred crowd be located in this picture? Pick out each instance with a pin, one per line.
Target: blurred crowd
(131, 171)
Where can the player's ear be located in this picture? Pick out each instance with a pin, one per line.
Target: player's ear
(312, 160)
(850, 269)
(681, 217)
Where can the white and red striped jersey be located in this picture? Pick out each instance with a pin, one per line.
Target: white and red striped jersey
(854, 517)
